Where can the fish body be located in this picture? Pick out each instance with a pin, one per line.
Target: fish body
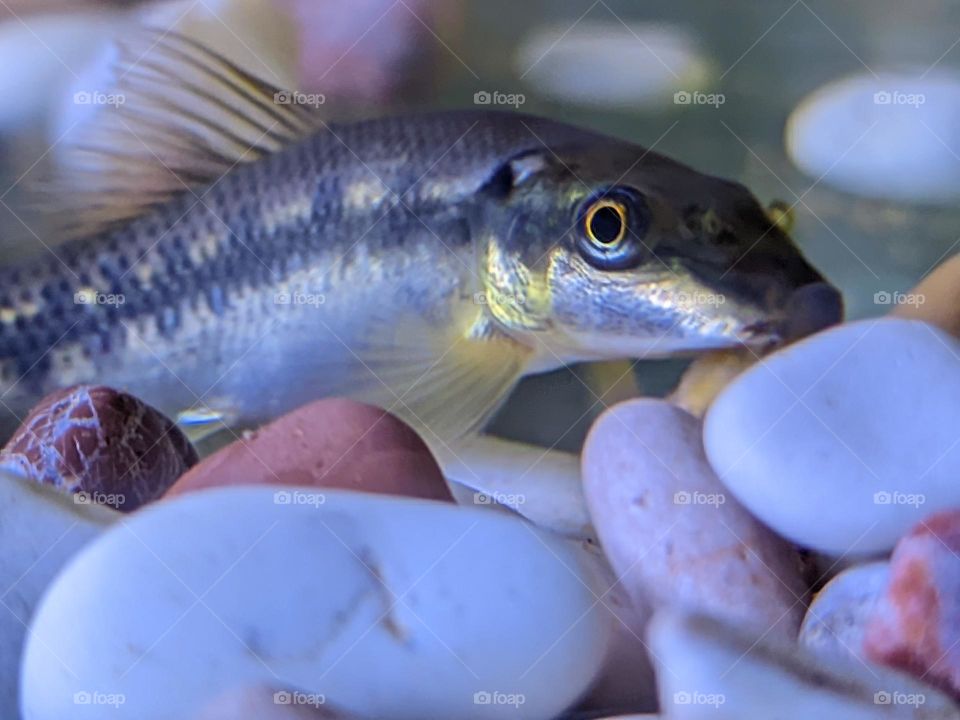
(274, 273)
(424, 263)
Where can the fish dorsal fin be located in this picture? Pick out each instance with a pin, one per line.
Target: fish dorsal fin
(178, 116)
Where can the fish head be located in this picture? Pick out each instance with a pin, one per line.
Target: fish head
(609, 251)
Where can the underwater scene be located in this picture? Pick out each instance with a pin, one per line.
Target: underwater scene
(456, 359)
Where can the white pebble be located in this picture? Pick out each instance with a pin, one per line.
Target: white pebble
(707, 669)
(836, 618)
(385, 607)
(894, 136)
(41, 530)
(612, 64)
(843, 441)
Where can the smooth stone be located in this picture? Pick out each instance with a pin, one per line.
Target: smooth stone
(884, 136)
(262, 703)
(706, 376)
(843, 441)
(673, 534)
(836, 618)
(607, 63)
(39, 78)
(40, 530)
(375, 53)
(915, 626)
(330, 443)
(389, 607)
(256, 35)
(935, 299)
(625, 682)
(709, 669)
(106, 445)
(541, 484)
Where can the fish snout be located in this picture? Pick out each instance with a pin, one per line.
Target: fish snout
(811, 308)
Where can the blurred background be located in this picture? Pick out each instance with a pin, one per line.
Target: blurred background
(847, 112)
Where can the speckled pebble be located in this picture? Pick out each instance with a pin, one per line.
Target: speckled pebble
(915, 626)
(105, 445)
(672, 533)
(836, 618)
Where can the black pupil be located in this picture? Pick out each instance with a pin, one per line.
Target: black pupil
(606, 225)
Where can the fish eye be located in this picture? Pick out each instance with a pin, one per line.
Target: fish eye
(611, 225)
(606, 222)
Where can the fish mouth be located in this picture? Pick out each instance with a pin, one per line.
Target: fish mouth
(762, 334)
(812, 308)
(809, 309)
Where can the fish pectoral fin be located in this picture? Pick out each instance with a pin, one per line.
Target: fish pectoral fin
(445, 385)
(200, 422)
(182, 117)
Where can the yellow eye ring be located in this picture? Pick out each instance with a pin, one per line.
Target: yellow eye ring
(612, 228)
(605, 222)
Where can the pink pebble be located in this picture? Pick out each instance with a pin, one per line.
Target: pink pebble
(672, 533)
(332, 443)
(916, 624)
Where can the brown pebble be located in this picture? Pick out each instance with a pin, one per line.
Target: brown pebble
(332, 443)
(935, 298)
(105, 445)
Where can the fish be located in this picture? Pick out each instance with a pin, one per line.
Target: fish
(233, 254)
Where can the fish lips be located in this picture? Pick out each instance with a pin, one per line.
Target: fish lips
(812, 308)
(809, 309)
